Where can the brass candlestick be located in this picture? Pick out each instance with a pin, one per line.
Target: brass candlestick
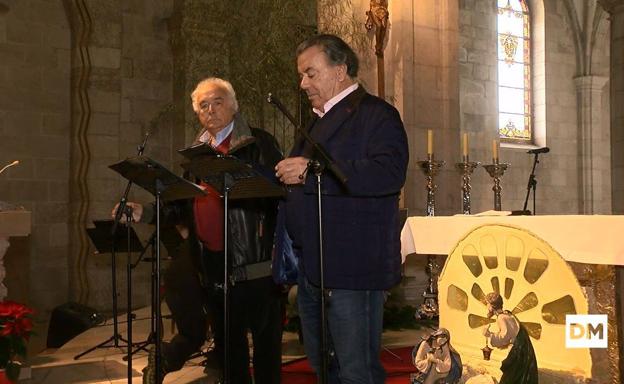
(430, 167)
(496, 171)
(429, 307)
(466, 167)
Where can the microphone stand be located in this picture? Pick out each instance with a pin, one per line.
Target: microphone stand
(128, 210)
(317, 166)
(325, 158)
(116, 337)
(150, 337)
(531, 185)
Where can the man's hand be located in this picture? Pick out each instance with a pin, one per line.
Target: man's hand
(137, 211)
(292, 170)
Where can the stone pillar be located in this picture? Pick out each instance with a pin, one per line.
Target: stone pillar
(594, 142)
(616, 11)
(81, 26)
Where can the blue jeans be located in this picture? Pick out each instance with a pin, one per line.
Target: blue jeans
(355, 320)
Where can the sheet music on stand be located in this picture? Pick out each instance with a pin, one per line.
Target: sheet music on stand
(144, 172)
(200, 149)
(244, 181)
(206, 149)
(101, 238)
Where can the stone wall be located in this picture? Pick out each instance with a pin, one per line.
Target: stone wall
(128, 92)
(557, 124)
(34, 129)
(80, 83)
(83, 81)
(251, 43)
(478, 95)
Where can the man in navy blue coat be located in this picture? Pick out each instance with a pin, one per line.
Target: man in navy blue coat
(365, 136)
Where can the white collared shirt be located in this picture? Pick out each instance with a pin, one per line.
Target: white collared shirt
(335, 100)
(221, 135)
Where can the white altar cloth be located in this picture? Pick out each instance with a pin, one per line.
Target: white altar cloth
(592, 239)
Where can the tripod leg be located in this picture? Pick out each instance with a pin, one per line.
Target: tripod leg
(142, 346)
(151, 337)
(116, 337)
(101, 345)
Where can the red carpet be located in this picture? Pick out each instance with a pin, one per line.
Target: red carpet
(398, 370)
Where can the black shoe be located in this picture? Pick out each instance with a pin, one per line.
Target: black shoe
(149, 372)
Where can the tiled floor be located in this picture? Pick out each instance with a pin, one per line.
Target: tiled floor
(106, 365)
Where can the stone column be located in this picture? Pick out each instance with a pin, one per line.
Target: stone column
(616, 11)
(81, 26)
(594, 142)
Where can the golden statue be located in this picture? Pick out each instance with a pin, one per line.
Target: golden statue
(378, 19)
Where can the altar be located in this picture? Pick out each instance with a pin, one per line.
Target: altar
(544, 267)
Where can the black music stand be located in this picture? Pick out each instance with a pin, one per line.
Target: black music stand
(234, 180)
(165, 186)
(124, 241)
(101, 238)
(170, 239)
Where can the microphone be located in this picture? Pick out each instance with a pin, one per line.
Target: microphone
(325, 157)
(9, 165)
(538, 150)
(272, 99)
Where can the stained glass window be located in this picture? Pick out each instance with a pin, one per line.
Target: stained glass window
(514, 71)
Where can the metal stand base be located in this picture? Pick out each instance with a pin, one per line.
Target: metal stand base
(115, 339)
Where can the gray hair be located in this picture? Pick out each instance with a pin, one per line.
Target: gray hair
(214, 82)
(338, 52)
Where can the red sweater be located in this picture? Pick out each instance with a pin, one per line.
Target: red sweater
(208, 211)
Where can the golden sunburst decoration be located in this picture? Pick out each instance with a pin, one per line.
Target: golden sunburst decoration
(537, 286)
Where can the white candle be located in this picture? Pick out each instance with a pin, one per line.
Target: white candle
(429, 142)
(495, 150)
(465, 145)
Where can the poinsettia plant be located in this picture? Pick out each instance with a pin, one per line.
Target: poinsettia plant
(15, 330)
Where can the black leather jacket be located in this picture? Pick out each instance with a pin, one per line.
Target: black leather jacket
(251, 222)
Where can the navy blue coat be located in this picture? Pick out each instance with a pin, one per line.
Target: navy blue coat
(366, 138)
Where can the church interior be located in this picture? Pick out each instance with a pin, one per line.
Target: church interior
(491, 93)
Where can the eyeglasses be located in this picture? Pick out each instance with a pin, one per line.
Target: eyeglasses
(206, 106)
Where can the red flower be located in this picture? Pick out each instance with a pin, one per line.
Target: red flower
(12, 309)
(19, 327)
(15, 329)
